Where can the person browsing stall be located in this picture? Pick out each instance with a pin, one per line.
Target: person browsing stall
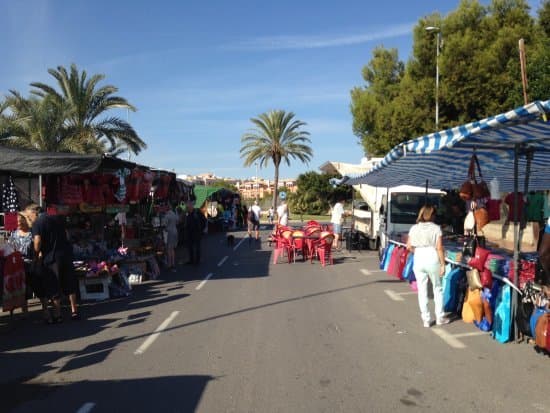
(21, 240)
(53, 250)
(170, 221)
(425, 240)
(194, 226)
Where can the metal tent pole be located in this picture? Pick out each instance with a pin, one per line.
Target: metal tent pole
(426, 194)
(351, 240)
(515, 297)
(516, 235)
(40, 203)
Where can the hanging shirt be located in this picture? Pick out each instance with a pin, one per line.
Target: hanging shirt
(546, 207)
(535, 205)
(510, 202)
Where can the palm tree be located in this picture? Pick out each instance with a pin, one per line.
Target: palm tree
(87, 105)
(34, 124)
(276, 137)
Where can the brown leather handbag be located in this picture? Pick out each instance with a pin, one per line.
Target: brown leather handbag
(542, 331)
(467, 188)
(481, 216)
(480, 189)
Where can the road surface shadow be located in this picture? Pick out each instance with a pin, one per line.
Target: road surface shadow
(159, 394)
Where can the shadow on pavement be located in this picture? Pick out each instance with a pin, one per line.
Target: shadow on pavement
(260, 307)
(159, 394)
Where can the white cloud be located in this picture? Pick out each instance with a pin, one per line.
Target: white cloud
(286, 42)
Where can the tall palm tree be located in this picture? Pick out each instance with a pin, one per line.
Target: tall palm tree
(276, 137)
(87, 105)
(34, 124)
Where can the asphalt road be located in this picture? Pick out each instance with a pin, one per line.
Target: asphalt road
(258, 337)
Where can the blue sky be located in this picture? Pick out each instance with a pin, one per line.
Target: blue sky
(197, 71)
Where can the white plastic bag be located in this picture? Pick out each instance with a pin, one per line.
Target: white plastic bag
(469, 222)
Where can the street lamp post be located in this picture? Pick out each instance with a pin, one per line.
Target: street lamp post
(257, 184)
(437, 31)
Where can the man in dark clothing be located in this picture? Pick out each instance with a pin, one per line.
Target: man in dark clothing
(193, 228)
(54, 249)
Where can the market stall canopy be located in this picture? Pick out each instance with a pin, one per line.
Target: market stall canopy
(202, 193)
(443, 158)
(36, 162)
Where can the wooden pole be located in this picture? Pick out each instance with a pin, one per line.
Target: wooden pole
(523, 63)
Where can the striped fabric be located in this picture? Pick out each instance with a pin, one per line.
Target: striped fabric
(443, 157)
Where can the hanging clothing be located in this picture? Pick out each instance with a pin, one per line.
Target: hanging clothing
(546, 205)
(14, 282)
(510, 202)
(10, 201)
(121, 174)
(535, 206)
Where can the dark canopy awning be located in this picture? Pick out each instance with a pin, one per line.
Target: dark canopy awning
(35, 162)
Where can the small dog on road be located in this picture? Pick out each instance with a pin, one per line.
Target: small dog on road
(230, 240)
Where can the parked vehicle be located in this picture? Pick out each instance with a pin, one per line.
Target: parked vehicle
(389, 213)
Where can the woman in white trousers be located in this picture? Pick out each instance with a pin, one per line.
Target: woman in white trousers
(425, 240)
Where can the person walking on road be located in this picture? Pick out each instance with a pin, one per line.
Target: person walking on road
(336, 221)
(254, 214)
(270, 214)
(425, 241)
(282, 213)
(170, 221)
(194, 226)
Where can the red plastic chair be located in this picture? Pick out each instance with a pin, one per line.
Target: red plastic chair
(324, 248)
(312, 235)
(283, 245)
(313, 224)
(299, 244)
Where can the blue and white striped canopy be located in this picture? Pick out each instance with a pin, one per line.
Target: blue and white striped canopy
(443, 157)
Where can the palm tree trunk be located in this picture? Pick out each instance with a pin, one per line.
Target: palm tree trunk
(276, 184)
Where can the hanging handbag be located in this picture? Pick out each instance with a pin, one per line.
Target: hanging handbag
(542, 330)
(473, 307)
(502, 317)
(480, 188)
(479, 258)
(408, 273)
(523, 316)
(466, 191)
(474, 279)
(469, 247)
(469, 222)
(481, 217)
(486, 277)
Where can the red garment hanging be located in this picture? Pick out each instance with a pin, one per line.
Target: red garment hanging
(10, 221)
(14, 282)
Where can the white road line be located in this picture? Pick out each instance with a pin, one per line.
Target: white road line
(151, 339)
(223, 260)
(408, 293)
(370, 272)
(204, 281)
(472, 334)
(86, 408)
(448, 338)
(239, 244)
(393, 295)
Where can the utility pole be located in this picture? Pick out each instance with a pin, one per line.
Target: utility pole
(523, 64)
(437, 31)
